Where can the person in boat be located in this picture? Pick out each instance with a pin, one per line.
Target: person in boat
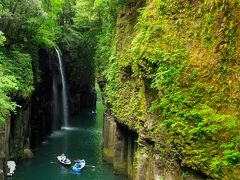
(78, 164)
(63, 157)
(65, 160)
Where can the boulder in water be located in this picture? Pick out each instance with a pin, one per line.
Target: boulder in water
(27, 154)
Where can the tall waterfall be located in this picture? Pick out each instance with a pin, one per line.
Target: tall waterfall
(55, 122)
(64, 92)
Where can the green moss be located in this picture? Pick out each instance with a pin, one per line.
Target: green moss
(108, 155)
(120, 167)
(179, 64)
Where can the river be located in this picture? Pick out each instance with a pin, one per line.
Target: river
(82, 139)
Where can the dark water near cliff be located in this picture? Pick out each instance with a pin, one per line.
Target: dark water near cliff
(82, 140)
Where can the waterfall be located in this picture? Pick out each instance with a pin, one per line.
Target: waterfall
(55, 123)
(64, 92)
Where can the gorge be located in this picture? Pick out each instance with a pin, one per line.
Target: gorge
(168, 71)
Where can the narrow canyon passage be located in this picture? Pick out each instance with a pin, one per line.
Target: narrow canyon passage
(82, 139)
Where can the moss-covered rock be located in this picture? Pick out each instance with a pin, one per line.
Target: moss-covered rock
(28, 154)
(1, 174)
(173, 76)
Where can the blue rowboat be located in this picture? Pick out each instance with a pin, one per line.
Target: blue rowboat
(79, 165)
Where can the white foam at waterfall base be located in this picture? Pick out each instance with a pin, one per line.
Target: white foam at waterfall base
(69, 128)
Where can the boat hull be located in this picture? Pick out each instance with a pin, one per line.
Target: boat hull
(67, 163)
(79, 169)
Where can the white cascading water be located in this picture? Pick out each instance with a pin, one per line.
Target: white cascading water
(64, 92)
(55, 123)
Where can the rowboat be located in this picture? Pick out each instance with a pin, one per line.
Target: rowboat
(64, 160)
(79, 165)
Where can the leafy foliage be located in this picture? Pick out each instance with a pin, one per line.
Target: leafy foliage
(16, 80)
(175, 69)
(7, 85)
(24, 27)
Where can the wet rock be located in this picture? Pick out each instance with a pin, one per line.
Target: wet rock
(135, 154)
(1, 174)
(18, 136)
(120, 150)
(108, 135)
(142, 168)
(27, 154)
(119, 146)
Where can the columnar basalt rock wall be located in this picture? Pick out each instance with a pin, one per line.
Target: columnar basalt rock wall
(19, 135)
(108, 136)
(119, 146)
(30, 123)
(15, 136)
(133, 156)
(41, 114)
(151, 166)
(4, 143)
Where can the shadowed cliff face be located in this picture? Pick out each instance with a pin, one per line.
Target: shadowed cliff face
(80, 79)
(31, 121)
(79, 87)
(41, 115)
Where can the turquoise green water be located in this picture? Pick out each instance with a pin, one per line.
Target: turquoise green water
(82, 140)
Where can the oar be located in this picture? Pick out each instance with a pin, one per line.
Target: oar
(90, 166)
